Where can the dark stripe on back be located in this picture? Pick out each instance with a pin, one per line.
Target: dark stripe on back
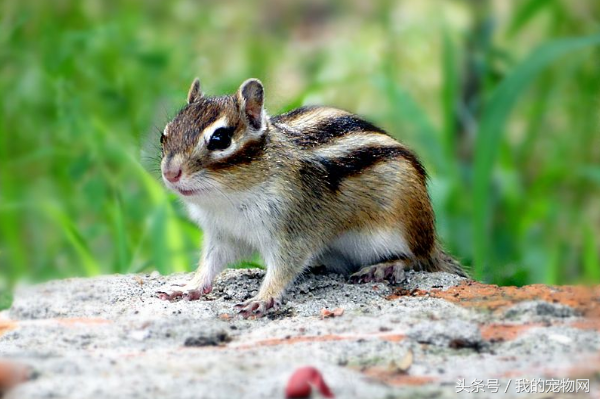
(327, 129)
(293, 114)
(355, 162)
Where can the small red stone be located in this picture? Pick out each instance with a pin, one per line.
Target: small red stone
(301, 383)
(12, 374)
(326, 313)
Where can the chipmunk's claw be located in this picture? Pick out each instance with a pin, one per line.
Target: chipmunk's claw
(390, 272)
(183, 291)
(256, 308)
(169, 296)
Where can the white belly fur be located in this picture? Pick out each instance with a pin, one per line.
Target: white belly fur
(356, 249)
(246, 224)
(249, 225)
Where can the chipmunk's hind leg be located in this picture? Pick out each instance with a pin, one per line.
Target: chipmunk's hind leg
(368, 256)
(391, 271)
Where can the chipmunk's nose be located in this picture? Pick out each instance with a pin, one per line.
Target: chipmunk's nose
(172, 174)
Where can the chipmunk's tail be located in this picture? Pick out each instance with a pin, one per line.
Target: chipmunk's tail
(441, 261)
(449, 264)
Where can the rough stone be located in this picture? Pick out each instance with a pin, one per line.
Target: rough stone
(111, 337)
(539, 311)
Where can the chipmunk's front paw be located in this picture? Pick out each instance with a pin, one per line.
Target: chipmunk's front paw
(257, 307)
(187, 291)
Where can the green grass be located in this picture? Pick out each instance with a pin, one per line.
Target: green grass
(501, 103)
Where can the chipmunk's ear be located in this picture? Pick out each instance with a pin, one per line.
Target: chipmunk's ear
(194, 94)
(251, 97)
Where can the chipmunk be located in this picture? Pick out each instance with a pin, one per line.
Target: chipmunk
(314, 186)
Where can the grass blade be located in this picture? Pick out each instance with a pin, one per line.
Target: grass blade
(76, 239)
(591, 258)
(120, 237)
(492, 125)
(525, 13)
(407, 110)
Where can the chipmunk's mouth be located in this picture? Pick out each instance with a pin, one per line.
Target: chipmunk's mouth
(187, 193)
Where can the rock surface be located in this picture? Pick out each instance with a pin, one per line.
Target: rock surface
(431, 336)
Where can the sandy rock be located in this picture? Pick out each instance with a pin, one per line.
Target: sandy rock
(430, 336)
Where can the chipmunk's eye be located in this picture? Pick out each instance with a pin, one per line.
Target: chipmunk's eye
(162, 138)
(221, 138)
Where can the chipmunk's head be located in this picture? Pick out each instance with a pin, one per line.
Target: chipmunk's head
(214, 144)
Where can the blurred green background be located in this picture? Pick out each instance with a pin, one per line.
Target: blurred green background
(501, 99)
